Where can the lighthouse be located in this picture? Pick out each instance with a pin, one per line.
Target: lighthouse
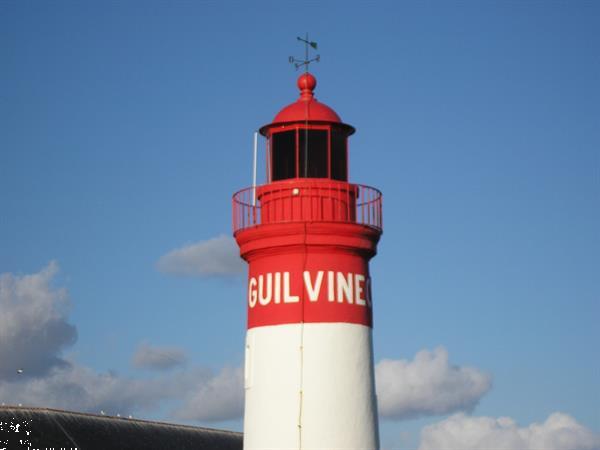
(307, 235)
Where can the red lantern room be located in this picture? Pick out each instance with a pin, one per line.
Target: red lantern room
(307, 139)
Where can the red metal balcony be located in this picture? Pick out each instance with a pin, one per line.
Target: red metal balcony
(307, 200)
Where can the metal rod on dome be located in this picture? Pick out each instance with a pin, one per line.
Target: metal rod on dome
(254, 168)
(306, 53)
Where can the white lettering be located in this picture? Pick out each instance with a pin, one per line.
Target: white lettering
(330, 286)
(358, 289)
(287, 297)
(252, 295)
(313, 291)
(344, 288)
(262, 298)
(350, 288)
(277, 287)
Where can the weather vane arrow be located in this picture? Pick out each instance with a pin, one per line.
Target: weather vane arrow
(306, 61)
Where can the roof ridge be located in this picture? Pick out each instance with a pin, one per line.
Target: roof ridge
(100, 416)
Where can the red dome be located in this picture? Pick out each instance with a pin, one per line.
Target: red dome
(307, 107)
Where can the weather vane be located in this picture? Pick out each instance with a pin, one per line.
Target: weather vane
(305, 62)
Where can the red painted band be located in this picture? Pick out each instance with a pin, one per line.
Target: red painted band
(311, 288)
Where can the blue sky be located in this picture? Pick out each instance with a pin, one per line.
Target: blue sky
(126, 127)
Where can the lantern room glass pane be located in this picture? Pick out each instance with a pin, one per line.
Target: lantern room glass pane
(313, 153)
(339, 155)
(284, 155)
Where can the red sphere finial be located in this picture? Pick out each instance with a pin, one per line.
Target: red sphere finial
(306, 84)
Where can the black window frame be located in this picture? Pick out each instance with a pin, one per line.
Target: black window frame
(330, 130)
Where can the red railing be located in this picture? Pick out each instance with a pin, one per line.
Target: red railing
(305, 200)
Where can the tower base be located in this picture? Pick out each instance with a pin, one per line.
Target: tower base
(310, 386)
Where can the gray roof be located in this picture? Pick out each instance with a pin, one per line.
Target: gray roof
(40, 428)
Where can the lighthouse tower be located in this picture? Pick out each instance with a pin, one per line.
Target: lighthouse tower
(308, 235)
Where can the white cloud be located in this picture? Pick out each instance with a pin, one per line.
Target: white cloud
(158, 358)
(428, 385)
(221, 398)
(558, 432)
(214, 257)
(200, 394)
(33, 323)
(79, 388)
(33, 333)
